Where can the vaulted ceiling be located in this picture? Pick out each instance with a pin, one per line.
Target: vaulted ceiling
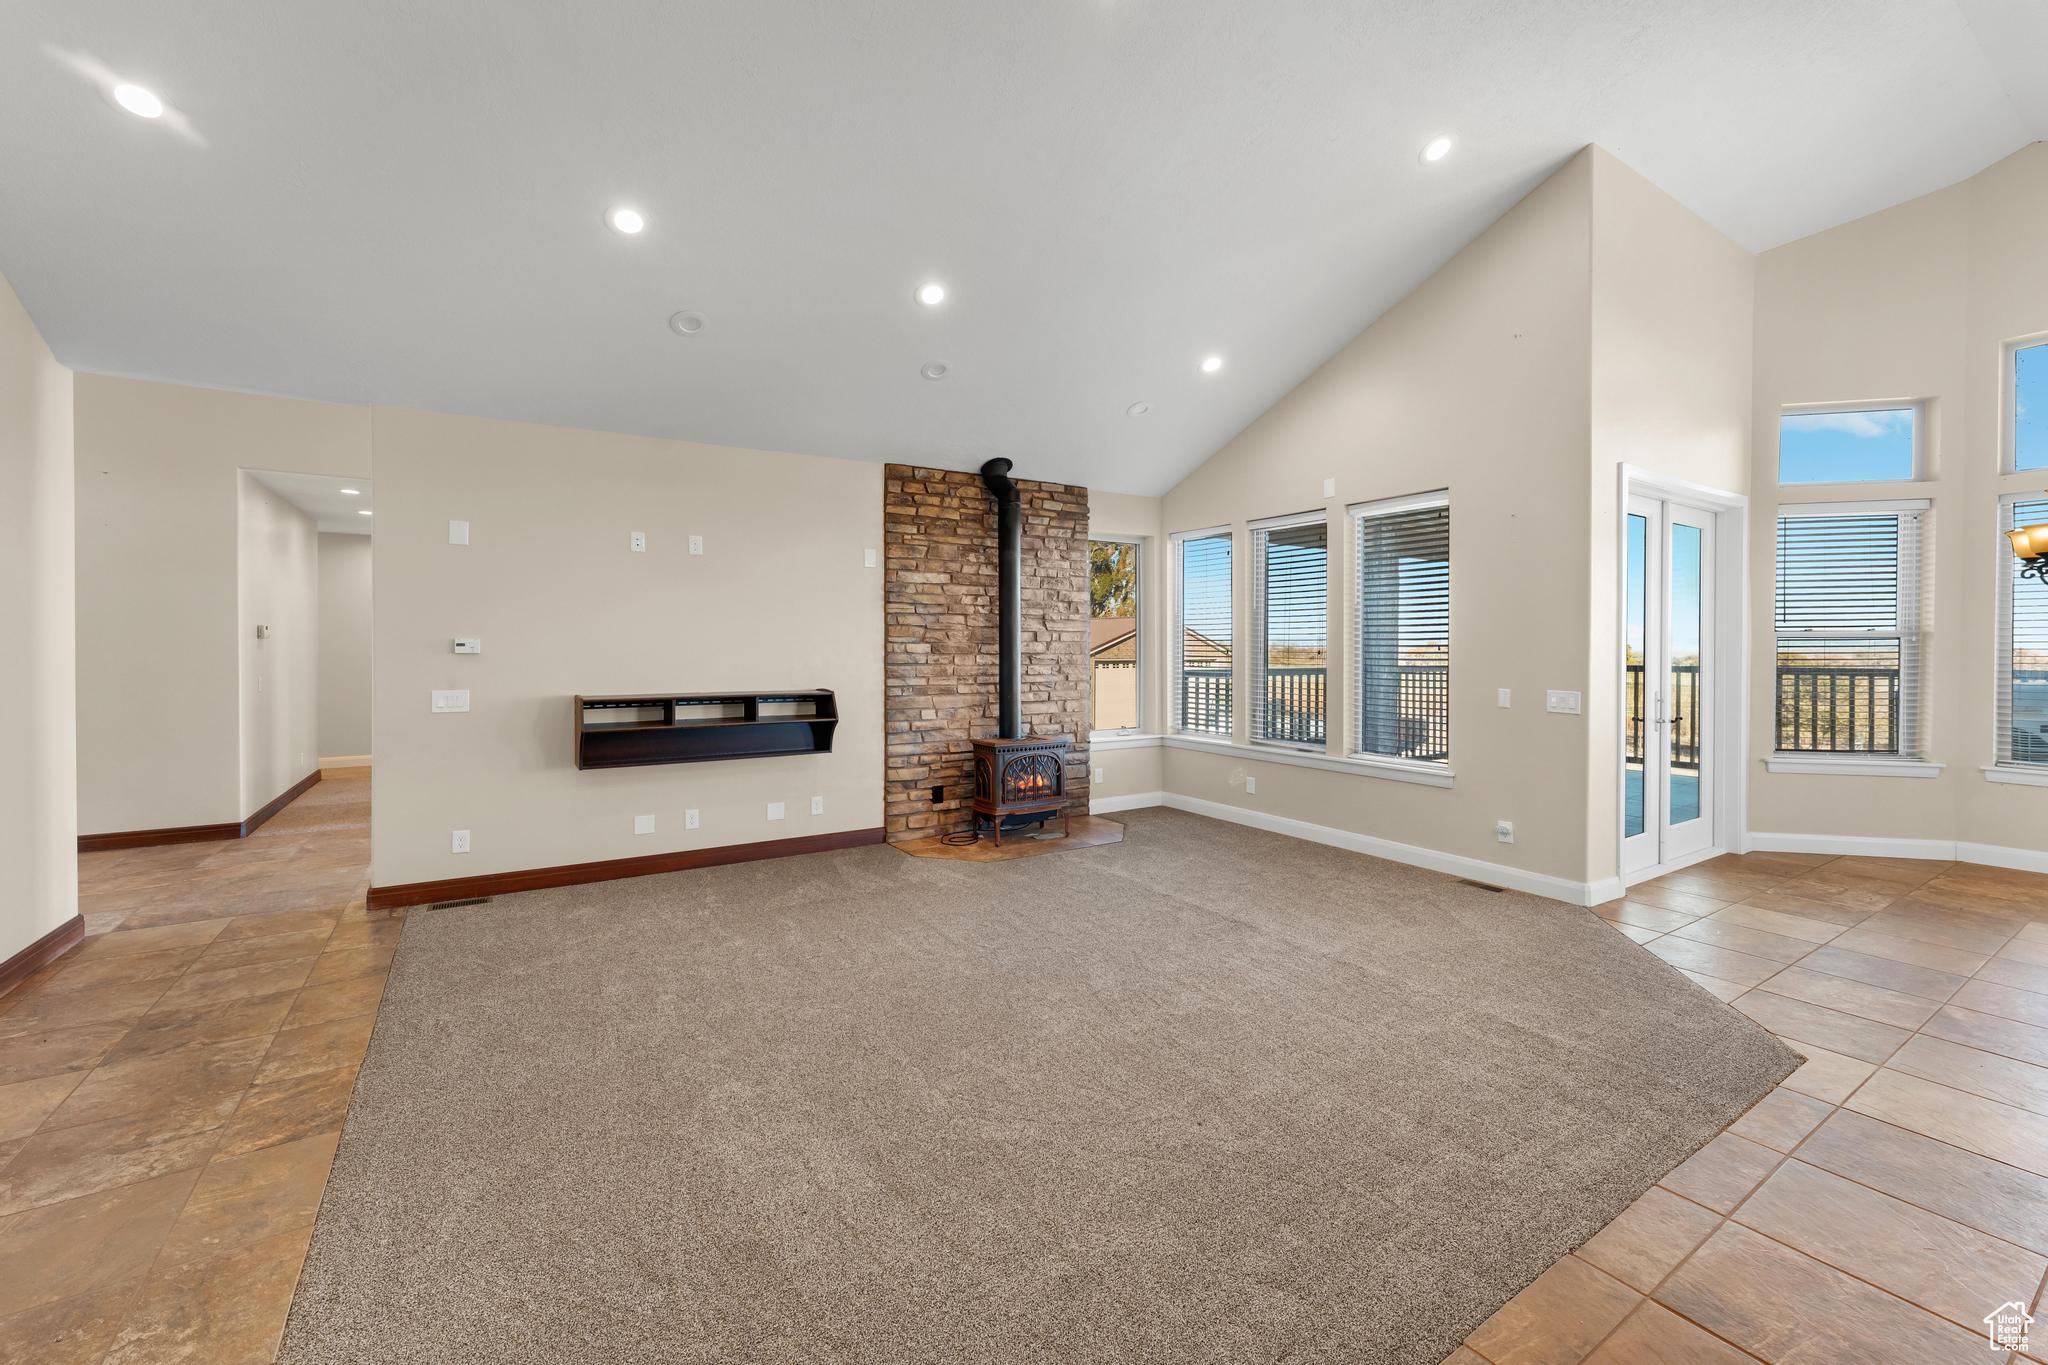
(400, 203)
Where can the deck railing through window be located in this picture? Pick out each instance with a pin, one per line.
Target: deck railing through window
(1682, 708)
(1837, 710)
(1297, 702)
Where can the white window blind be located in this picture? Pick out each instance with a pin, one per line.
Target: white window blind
(1202, 655)
(2022, 700)
(1403, 636)
(1291, 623)
(1849, 630)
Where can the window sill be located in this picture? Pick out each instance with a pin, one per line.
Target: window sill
(1122, 739)
(1842, 766)
(2018, 776)
(1392, 769)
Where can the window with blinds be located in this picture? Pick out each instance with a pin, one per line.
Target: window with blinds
(1403, 635)
(2022, 700)
(1848, 630)
(1202, 657)
(1291, 623)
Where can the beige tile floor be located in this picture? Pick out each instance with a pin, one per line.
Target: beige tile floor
(1894, 1190)
(172, 1093)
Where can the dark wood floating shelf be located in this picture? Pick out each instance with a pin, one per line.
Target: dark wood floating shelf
(701, 727)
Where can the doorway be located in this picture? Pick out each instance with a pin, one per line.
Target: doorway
(1672, 674)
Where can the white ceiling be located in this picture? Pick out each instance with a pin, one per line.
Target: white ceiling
(401, 203)
(323, 498)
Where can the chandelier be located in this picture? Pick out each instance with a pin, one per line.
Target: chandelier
(2030, 543)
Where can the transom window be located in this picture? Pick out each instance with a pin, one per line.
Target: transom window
(1867, 444)
(2030, 406)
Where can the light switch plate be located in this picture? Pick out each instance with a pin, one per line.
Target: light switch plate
(458, 533)
(696, 545)
(469, 644)
(774, 810)
(457, 700)
(1563, 703)
(643, 824)
(1506, 698)
(868, 557)
(1329, 488)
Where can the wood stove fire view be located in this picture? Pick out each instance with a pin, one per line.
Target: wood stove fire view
(1020, 781)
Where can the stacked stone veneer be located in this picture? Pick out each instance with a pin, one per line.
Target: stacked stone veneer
(940, 604)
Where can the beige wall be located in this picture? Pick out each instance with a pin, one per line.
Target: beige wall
(1135, 771)
(343, 729)
(1478, 382)
(779, 598)
(158, 647)
(1915, 302)
(1672, 328)
(38, 755)
(277, 571)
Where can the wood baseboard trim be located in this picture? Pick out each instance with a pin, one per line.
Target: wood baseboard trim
(195, 834)
(280, 801)
(613, 869)
(41, 953)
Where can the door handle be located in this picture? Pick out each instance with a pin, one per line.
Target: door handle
(1657, 701)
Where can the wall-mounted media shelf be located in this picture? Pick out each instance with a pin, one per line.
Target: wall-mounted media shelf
(699, 727)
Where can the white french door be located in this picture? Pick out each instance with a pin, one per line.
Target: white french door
(1669, 674)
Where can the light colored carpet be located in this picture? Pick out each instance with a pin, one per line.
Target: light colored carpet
(1210, 1094)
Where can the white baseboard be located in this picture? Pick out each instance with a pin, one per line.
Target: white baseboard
(1493, 874)
(1104, 805)
(1941, 850)
(347, 761)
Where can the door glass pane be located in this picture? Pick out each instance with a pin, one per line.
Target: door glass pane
(1636, 592)
(1682, 705)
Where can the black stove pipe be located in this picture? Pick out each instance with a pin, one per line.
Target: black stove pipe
(1010, 624)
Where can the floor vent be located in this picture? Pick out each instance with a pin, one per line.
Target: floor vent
(1467, 881)
(450, 905)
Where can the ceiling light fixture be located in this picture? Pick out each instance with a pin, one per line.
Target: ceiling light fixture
(626, 222)
(1138, 409)
(138, 101)
(1438, 148)
(351, 492)
(934, 369)
(686, 324)
(1211, 364)
(931, 294)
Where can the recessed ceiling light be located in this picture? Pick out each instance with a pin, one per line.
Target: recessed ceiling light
(363, 511)
(1211, 364)
(351, 492)
(934, 369)
(138, 101)
(931, 294)
(1438, 148)
(686, 324)
(626, 222)
(1138, 409)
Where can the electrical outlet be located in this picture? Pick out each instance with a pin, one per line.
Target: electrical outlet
(868, 557)
(456, 700)
(1251, 785)
(1506, 698)
(817, 805)
(643, 824)
(696, 545)
(639, 542)
(1504, 830)
(458, 841)
(1563, 703)
(458, 533)
(689, 819)
(469, 644)
(1095, 774)
(774, 810)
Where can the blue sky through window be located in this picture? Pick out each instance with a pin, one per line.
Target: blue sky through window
(2030, 407)
(1847, 447)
